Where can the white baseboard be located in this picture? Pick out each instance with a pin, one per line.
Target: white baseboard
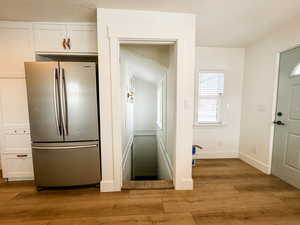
(255, 163)
(216, 155)
(20, 179)
(184, 184)
(109, 186)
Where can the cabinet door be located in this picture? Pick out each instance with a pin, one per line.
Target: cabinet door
(17, 166)
(16, 48)
(83, 38)
(49, 37)
(15, 136)
(13, 97)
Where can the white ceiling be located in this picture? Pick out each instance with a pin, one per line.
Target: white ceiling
(226, 23)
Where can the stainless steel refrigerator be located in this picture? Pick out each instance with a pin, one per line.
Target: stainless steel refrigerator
(63, 114)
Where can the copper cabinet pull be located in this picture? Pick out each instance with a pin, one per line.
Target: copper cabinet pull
(68, 43)
(22, 156)
(64, 43)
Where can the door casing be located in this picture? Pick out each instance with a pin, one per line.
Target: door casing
(115, 26)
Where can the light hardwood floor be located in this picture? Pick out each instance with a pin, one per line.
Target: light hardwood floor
(227, 192)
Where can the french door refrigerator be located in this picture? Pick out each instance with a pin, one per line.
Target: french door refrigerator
(63, 114)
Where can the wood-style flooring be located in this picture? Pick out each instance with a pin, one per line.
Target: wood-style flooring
(148, 184)
(227, 192)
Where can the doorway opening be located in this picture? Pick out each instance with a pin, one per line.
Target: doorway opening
(148, 86)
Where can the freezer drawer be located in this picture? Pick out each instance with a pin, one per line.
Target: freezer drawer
(67, 164)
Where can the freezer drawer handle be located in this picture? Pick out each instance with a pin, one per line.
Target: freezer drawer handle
(22, 156)
(64, 147)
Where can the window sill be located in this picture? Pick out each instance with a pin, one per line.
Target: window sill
(207, 125)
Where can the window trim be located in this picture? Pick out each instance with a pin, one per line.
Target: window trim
(221, 113)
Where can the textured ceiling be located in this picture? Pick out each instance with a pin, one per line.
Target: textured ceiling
(225, 23)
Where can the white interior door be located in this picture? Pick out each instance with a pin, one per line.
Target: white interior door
(286, 155)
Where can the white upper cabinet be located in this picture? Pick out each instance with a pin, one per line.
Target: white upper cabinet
(15, 48)
(77, 38)
(50, 37)
(82, 38)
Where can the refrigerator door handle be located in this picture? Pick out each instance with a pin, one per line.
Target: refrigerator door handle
(56, 105)
(64, 105)
(63, 147)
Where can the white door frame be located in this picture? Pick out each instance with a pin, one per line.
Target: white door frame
(115, 42)
(274, 105)
(117, 114)
(114, 27)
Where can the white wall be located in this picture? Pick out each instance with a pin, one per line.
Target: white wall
(159, 54)
(222, 141)
(258, 94)
(170, 108)
(127, 115)
(127, 106)
(145, 103)
(166, 135)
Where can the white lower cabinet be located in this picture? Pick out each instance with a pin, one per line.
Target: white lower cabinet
(16, 157)
(15, 143)
(17, 166)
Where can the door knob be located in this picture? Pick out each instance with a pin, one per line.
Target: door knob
(279, 123)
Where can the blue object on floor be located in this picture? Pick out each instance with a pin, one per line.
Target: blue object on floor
(194, 153)
(194, 150)
(194, 162)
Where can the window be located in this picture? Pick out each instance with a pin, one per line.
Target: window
(296, 71)
(210, 97)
